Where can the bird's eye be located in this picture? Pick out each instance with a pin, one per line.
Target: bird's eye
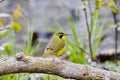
(60, 36)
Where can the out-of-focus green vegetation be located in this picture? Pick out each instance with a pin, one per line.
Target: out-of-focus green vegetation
(9, 47)
(75, 54)
(75, 48)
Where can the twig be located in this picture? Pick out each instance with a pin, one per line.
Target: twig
(116, 44)
(89, 33)
(84, 50)
(7, 27)
(27, 64)
(116, 38)
(89, 6)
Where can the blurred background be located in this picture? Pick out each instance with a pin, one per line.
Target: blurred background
(93, 26)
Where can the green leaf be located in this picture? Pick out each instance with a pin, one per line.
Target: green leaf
(73, 31)
(75, 54)
(92, 21)
(3, 33)
(16, 26)
(112, 25)
(7, 47)
(51, 29)
(113, 7)
(97, 4)
(83, 1)
(59, 27)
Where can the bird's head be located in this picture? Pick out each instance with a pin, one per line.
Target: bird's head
(61, 35)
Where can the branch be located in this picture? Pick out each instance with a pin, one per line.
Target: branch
(4, 28)
(27, 64)
(89, 33)
(116, 36)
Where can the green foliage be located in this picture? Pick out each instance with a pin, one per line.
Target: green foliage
(15, 26)
(10, 46)
(73, 31)
(59, 27)
(75, 54)
(110, 3)
(50, 77)
(3, 33)
(28, 45)
(96, 30)
(55, 30)
(20, 76)
(83, 0)
(97, 4)
(113, 7)
(7, 47)
(28, 48)
(73, 51)
(51, 29)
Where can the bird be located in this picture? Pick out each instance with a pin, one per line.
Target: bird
(56, 45)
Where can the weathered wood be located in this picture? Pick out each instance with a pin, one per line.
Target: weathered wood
(27, 64)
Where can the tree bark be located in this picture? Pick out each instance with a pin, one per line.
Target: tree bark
(27, 64)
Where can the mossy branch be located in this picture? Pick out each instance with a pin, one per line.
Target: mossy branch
(27, 64)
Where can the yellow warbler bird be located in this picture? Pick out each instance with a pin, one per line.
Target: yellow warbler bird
(56, 45)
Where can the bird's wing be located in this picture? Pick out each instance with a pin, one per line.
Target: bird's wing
(55, 46)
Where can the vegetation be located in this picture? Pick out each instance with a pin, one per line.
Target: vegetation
(76, 49)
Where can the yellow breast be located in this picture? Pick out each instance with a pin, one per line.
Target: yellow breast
(58, 52)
